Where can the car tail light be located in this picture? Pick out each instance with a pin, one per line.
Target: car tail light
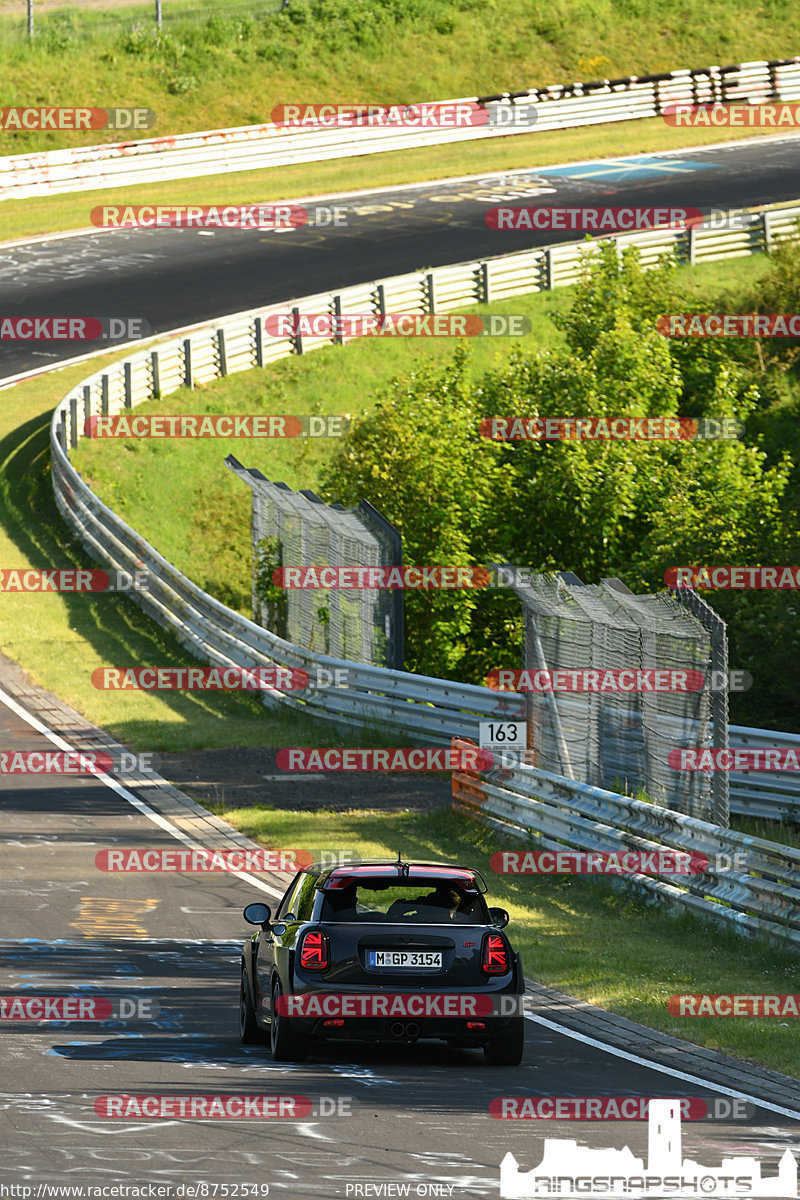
(334, 1024)
(476, 1024)
(315, 951)
(494, 955)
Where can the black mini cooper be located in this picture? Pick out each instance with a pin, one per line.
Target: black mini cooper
(382, 951)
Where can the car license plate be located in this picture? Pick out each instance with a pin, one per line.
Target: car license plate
(405, 958)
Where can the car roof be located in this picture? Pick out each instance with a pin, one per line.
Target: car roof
(334, 877)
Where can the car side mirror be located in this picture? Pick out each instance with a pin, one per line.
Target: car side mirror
(500, 917)
(278, 930)
(257, 914)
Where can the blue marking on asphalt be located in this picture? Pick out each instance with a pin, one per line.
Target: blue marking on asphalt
(642, 166)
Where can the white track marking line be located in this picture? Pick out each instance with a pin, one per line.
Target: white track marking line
(662, 1067)
(139, 805)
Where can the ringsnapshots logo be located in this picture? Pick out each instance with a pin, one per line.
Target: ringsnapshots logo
(355, 325)
(71, 579)
(614, 429)
(73, 329)
(42, 117)
(459, 115)
(159, 1106)
(40, 1009)
(571, 1171)
(216, 425)
(614, 1108)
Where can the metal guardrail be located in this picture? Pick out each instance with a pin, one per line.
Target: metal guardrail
(430, 710)
(251, 147)
(757, 893)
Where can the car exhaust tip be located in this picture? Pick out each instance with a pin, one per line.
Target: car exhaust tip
(409, 1032)
(397, 1029)
(412, 1029)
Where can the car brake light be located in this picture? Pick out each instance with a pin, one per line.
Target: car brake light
(315, 951)
(494, 958)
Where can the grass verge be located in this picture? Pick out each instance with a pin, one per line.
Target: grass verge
(579, 935)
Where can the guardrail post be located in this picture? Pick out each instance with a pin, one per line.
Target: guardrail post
(223, 361)
(259, 340)
(485, 294)
(187, 363)
(87, 403)
(337, 312)
(155, 373)
(766, 230)
(692, 244)
(380, 297)
(73, 421)
(128, 368)
(61, 430)
(548, 270)
(430, 287)
(297, 338)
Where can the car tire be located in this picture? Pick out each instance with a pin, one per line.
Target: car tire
(508, 1050)
(287, 1046)
(249, 1032)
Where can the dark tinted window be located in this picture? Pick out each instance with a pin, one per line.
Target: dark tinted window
(290, 897)
(382, 901)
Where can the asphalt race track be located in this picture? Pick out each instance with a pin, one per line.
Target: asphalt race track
(413, 1116)
(176, 277)
(411, 1120)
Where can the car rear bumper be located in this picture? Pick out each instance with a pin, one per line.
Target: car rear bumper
(400, 1029)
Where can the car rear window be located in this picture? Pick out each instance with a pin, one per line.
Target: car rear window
(385, 901)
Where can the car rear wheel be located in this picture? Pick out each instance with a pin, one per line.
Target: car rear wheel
(508, 1050)
(287, 1046)
(249, 1032)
